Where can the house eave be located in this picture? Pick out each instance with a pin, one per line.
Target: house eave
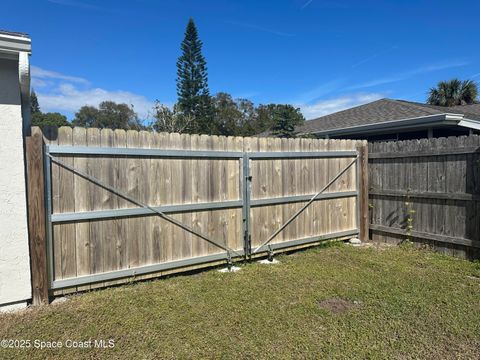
(11, 46)
(397, 125)
(19, 48)
(468, 123)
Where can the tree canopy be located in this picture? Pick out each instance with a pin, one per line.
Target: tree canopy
(453, 92)
(49, 119)
(170, 120)
(233, 117)
(108, 115)
(284, 119)
(45, 119)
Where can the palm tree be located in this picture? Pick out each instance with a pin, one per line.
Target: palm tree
(453, 92)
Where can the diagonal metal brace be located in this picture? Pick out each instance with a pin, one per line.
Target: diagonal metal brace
(271, 237)
(139, 203)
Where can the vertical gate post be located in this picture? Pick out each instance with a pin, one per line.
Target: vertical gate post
(363, 191)
(246, 205)
(36, 216)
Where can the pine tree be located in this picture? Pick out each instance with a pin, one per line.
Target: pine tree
(192, 83)
(34, 106)
(285, 119)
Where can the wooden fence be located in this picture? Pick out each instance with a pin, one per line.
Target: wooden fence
(223, 188)
(435, 183)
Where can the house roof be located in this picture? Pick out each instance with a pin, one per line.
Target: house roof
(14, 33)
(384, 111)
(11, 43)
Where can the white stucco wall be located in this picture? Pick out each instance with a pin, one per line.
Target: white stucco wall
(14, 253)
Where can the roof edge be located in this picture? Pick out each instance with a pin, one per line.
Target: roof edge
(402, 123)
(470, 124)
(12, 43)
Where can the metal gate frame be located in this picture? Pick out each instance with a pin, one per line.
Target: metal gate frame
(245, 202)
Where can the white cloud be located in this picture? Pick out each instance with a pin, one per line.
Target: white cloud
(58, 92)
(325, 107)
(37, 83)
(69, 98)
(39, 73)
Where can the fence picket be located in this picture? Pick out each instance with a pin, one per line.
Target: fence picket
(133, 224)
(120, 182)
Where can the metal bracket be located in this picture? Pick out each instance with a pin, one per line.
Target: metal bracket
(270, 253)
(229, 261)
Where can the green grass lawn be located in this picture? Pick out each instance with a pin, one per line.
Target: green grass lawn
(331, 302)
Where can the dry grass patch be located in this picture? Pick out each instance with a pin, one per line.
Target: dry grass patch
(337, 305)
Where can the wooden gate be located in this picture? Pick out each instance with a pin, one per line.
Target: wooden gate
(123, 204)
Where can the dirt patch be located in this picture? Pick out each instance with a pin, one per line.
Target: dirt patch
(337, 305)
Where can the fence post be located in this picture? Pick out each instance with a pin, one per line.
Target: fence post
(247, 183)
(36, 216)
(363, 191)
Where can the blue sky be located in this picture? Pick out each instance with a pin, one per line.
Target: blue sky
(322, 56)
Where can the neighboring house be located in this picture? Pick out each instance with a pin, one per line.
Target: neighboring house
(15, 287)
(388, 119)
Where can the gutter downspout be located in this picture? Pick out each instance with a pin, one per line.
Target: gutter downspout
(24, 79)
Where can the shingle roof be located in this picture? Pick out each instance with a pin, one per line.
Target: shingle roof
(469, 111)
(384, 110)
